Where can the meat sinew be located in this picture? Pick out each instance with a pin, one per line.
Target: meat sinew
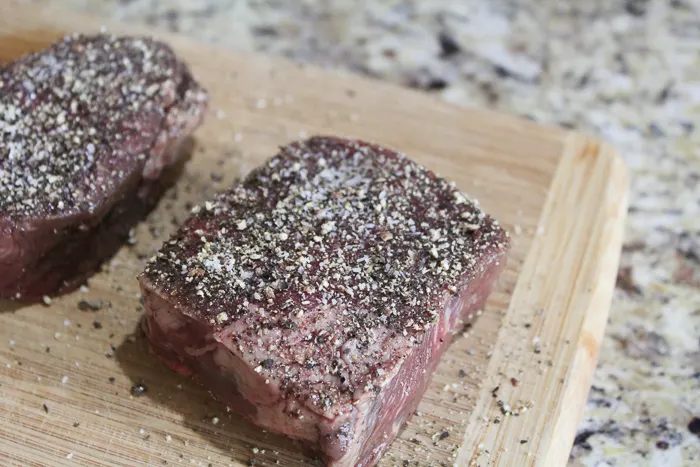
(316, 298)
(88, 127)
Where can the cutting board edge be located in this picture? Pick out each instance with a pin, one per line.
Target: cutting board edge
(597, 308)
(589, 308)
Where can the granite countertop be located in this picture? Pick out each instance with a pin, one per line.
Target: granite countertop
(628, 71)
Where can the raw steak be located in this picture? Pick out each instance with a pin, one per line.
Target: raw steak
(87, 129)
(316, 298)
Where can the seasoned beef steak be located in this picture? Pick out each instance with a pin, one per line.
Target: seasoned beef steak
(316, 298)
(87, 128)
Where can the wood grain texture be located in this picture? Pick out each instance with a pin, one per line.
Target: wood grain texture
(565, 195)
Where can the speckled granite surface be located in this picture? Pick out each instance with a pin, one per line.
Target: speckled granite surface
(628, 71)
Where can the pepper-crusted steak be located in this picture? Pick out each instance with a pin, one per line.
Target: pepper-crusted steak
(317, 297)
(87, 128)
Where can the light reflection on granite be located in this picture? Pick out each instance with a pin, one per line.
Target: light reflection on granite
(624, 70)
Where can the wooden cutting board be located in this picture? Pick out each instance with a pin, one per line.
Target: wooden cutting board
(66, 374)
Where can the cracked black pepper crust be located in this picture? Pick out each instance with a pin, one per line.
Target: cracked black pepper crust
(77, 118)
(327, 224)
